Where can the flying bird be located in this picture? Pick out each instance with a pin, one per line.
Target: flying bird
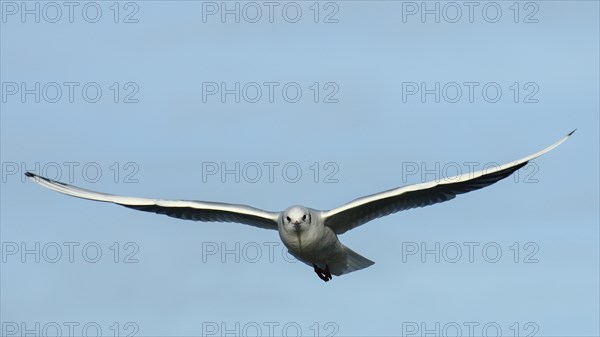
(309, 234)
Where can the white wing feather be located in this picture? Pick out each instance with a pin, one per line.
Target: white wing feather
(365, 209)
(183, 209)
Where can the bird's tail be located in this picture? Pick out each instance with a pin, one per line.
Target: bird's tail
(356, 261)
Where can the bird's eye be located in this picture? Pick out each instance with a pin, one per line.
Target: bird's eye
(304, 217)
(288, 218)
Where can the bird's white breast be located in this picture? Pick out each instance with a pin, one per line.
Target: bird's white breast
(315, 245)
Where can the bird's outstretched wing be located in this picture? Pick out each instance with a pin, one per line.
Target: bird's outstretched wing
(183, 209)
(365, 209)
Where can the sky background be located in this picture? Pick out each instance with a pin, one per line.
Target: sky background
(165, 131)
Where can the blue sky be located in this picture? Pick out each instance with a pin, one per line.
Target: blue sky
(347, 107)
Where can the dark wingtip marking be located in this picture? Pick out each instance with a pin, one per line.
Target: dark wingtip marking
(29, 174)
(572, 132)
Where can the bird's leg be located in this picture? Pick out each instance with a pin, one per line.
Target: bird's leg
(327, 273)
(322, 273)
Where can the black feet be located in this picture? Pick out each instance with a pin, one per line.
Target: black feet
(323, 274)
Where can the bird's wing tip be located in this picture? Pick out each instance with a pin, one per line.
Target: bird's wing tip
(572, 132)
(29, 174)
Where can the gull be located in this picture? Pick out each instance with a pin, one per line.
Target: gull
(309, 234)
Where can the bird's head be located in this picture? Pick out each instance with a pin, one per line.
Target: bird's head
(296, 219)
